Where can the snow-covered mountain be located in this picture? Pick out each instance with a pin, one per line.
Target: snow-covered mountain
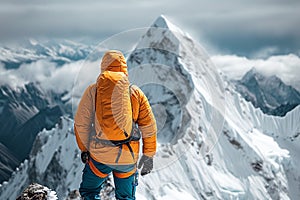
(223, 147)
(24, 112)
(213, 144)
(57, 51)
(269, 94)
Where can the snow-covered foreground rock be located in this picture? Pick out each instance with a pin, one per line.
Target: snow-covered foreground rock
(212, 143)
(37, 192)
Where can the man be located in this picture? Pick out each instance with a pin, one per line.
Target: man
(105, 131)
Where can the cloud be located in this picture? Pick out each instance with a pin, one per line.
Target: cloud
(73, 77)
(266, 52)
(286, 67)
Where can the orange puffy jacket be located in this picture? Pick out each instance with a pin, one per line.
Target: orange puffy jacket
(85, 124)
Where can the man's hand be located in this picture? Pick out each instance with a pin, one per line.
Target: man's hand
(85, 155)
(147, 164)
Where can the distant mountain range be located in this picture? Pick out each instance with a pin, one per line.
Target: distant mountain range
(270, 94)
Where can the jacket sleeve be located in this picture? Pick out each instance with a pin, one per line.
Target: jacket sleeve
(84, 119)
(147, 125)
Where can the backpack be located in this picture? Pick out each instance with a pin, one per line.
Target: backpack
(113, 110)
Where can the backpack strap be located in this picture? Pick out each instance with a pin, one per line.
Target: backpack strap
(119, 153)
(95, 98)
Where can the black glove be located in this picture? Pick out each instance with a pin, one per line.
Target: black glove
(85, 155)
(147, 163)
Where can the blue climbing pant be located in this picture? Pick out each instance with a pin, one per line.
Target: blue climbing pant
(92, 184)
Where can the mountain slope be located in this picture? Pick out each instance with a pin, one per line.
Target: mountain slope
(24, 112)
(269, 94)
(8, 162)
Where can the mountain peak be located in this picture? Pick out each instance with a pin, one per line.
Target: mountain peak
(250, 74)
(164, 23)
(253, 73)
(161, 22)
(253, 70)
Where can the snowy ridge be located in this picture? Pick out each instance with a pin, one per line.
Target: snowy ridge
(54, 162)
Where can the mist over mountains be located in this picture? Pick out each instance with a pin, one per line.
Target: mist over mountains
(31, 50)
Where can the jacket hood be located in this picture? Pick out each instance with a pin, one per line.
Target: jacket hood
(114, 60)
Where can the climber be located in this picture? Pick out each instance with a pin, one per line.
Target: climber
(106, 131)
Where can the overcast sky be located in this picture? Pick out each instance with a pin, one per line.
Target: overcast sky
(238, 35)
(248, 28)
